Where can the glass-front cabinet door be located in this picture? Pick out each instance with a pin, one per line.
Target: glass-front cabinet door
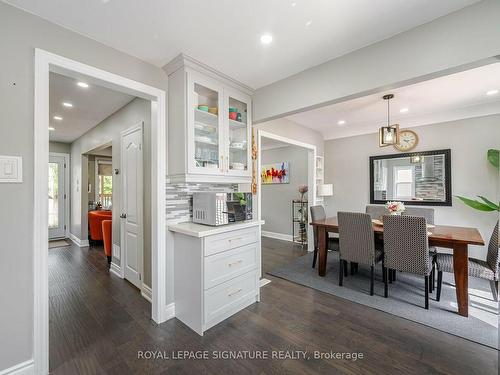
(239, 140)
(205, 141)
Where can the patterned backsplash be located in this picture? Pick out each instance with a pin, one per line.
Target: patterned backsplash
(180, 199)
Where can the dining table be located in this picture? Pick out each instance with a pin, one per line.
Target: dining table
(452, 237)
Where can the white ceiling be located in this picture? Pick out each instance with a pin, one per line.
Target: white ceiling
(457, 96)
(225, 34)
(90, 106)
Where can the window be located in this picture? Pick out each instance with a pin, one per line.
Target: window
(404, 182)
(104, 183)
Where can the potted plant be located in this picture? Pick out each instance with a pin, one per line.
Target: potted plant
(484, 204)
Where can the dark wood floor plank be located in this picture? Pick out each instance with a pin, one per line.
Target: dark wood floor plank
(98, 323)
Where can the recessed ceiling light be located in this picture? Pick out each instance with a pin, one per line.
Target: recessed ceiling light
(293, 4)
(51, 128)
(83, 84)
(308, 23)
(404, 110)
(341, 122)
(58, 118)
(67, 104)
(492, 92)
(266, 38)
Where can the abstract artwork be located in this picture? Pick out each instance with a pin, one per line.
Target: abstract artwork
(276, 173)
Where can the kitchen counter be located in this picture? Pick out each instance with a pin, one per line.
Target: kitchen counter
(200, 230)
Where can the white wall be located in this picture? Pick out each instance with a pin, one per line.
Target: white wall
(437, 48)
(59, 147)
(21, 34)
(277, 198)
(292, 130)
(138, 110)
(346, 166)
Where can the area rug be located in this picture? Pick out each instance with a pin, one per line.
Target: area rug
(406, 297)
(58, 243)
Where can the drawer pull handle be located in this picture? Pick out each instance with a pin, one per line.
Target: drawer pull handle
(235, 292)
(235, 263)
(234, 239)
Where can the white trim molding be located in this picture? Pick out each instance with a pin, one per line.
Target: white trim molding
(46, 62)
(277, 236)
(116, 251)
(77, 241)
(264, 282)
(23, 368)
(146, 292)
(116, 269)
(169, 312)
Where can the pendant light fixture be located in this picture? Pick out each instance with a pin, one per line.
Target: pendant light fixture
(388, 135)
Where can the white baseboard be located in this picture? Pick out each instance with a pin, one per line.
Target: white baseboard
(77, 241)
(264, 282)
(117, 270)
(277, 236)
(147, 293)
(169, 312)
(116, 251)
(24, 368)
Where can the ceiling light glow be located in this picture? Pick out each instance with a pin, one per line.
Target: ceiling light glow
(67, 104)
(308, 23)
(294, 4)
(58, 118)
(51, 128)
(266, 39)
(341, 122)
(83, 84)
(404, 110)
(492, 92)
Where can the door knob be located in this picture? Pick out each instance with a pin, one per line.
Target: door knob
(123, 216)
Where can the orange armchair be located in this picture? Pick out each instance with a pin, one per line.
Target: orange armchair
(107, 236)
(95, 223)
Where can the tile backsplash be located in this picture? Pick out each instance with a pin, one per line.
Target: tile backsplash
(180, 199)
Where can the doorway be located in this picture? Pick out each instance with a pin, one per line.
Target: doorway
(45, 63)
(58, 206)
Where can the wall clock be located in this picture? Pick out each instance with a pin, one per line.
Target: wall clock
(408, 140)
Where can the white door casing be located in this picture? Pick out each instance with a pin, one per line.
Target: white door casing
(57, 196)
(131, 228)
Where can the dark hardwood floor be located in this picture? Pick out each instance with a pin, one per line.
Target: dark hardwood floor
(98, 323)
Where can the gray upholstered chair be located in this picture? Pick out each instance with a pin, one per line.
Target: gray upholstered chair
(484, 269)
(406, 248)
(357, 243)
(376, 211)
(428, 214)
(318, 213)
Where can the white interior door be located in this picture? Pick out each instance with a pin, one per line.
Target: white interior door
(57, 197)
(132, 204)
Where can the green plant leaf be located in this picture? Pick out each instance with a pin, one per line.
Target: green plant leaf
(493, 156)
(495, 206)
(475, 204)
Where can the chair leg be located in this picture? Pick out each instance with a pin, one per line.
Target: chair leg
(494, 289)
(433, 276)
(314, 258)
(345, 268)
(356, 267)
(341, 272)
(393, 275)
(427, 292)
(440, 284)
(372, 279)
(386, 285)
(109, 261)
(389, 275)
(383, 272)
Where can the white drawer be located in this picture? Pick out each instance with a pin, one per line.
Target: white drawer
(228, 298)
(230, 240)
(229, 264)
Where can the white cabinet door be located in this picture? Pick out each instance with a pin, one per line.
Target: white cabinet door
(238, 138)
(204, 125)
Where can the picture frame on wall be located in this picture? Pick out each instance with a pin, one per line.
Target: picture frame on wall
(276, 173)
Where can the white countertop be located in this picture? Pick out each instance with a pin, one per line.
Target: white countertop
(199, 230)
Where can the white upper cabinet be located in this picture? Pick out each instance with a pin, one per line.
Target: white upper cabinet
(209, 127)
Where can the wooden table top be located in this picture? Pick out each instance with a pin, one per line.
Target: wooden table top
(438, 234)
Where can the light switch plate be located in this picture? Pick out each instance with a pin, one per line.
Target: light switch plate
(11, 169)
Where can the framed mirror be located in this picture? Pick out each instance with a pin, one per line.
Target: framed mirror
(415, 178)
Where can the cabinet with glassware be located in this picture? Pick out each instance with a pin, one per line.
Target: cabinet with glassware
(209, 125)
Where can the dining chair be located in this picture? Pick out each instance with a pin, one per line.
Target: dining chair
(483, 269)
(357, 243)
(406, 248)
(428, 214)
(318, 213)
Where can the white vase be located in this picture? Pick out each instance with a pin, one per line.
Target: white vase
(396, 213)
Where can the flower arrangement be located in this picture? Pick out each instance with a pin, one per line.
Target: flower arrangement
(395, 208)
(303, 189)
